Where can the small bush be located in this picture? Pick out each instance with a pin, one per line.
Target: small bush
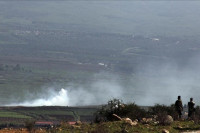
(117, 107)
(29, 124)
(161, 116)
(163, 109)
(196, 115)
(133, 112)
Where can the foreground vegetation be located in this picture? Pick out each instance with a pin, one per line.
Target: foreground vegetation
(146, 119)
(121, 127)
(113, 127)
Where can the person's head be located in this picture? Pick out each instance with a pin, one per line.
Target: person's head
(179, 97)
(191, 99)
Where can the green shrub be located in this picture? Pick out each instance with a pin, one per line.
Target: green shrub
(117, 107)
(163, 109)
(133, 112)
(29, 124)
(196, 115)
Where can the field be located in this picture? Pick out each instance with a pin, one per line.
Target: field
(54, 61)
(26, 78)
(16, 119)
(17, 116)
(13, 119)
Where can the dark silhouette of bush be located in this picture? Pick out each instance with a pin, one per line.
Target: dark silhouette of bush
(169, 110)
(133, 112)
(164, 119)
(196, 115)
(162, 111)
(29, 124)
(106, 112)
(117, 107)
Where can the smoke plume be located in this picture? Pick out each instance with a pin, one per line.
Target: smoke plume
(150, 85)
(98, 92)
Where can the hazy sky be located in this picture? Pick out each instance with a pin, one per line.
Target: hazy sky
(174, 18)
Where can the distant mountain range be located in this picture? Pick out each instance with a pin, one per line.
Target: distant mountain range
(166, 18)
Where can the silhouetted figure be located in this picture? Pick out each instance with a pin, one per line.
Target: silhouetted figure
(191, 108)
(179, 106)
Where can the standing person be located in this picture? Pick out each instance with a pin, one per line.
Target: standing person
(179, 106)
(191, 108)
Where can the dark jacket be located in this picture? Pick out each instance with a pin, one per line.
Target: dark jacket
(179, 105)
(191, 106)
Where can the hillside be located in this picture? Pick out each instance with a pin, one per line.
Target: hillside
(127, 50)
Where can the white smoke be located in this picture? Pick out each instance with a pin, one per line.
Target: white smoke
(162, 83)
(61, 98)
(98, 92)
(155, 84)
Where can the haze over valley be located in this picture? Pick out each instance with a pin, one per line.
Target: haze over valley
(75, 53)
